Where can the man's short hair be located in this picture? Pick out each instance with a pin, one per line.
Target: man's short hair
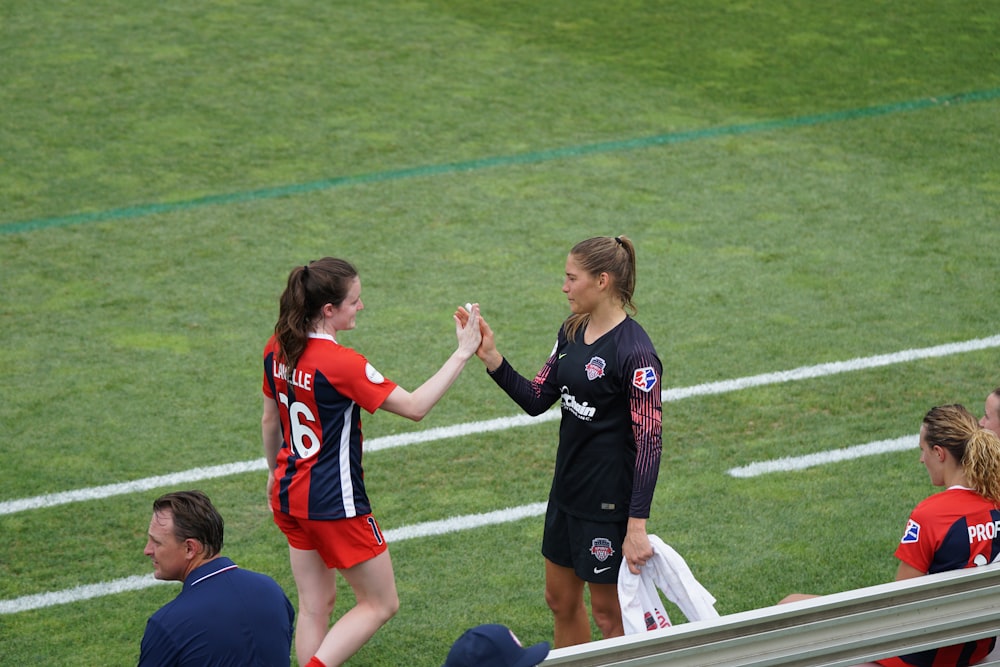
(194, 518)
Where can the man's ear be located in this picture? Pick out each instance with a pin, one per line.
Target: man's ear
(193, 547)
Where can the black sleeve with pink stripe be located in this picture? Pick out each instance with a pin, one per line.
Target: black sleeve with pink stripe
(535, 396)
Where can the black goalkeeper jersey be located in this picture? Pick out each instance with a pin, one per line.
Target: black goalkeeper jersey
(610, 436)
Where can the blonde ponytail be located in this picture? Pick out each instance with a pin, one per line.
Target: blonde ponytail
(981, 464)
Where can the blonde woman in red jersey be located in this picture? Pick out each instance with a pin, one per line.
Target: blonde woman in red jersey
(953, 529)
(314, 390)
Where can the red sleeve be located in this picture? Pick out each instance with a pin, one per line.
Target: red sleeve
(360, 381)
(347, 372)
(919, 543)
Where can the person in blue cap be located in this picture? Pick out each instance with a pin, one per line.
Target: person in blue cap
(493, 645)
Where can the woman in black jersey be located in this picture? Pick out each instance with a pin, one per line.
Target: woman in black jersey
(606, 375)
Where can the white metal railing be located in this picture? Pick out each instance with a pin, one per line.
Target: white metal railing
(835, 630)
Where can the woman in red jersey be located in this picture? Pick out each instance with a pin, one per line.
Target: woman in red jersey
(955, 528)
(314, 390)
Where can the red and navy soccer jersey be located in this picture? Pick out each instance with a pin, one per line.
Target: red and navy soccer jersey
(951, 530)
(319, 473)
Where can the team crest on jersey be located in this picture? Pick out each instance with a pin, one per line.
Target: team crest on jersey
(373, 375)
(912, 532)
(644, 378)
(601, 548)
(595, 368)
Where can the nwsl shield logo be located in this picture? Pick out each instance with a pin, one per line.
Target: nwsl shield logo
(912, 533)
(644, 378)
(595, 368)
(601, 548)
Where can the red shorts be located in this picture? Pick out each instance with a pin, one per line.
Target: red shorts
(342, 543)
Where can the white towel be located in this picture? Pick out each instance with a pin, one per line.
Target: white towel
(642, 608)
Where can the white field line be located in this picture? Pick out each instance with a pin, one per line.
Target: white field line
(832, 368)
(122, 488)
(822, 458)
(512, 514)
(79, 593)
(501, 424)
(139, 582)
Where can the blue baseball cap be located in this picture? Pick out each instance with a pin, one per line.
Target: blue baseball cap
(493, 645)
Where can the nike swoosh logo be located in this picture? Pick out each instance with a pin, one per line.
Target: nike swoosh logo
(603, 569)
(562, 355)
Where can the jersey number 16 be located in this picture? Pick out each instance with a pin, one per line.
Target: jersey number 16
(305, 442)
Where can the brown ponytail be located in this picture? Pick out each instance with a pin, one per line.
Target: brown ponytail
(309, 288)
(605, 254)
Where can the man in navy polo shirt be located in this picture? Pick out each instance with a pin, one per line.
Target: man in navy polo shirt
(223, 615)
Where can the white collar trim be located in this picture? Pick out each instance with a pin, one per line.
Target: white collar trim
(212, 574)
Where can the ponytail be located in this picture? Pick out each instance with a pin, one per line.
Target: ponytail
(309, 288)
(981, 464)
(605, 254)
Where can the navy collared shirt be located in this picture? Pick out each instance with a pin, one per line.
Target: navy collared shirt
(223, 616)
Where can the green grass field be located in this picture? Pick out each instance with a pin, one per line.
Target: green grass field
(805, 183)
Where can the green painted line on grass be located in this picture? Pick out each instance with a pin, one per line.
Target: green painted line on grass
(500, 161)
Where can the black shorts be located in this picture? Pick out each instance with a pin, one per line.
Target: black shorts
(593, 549)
